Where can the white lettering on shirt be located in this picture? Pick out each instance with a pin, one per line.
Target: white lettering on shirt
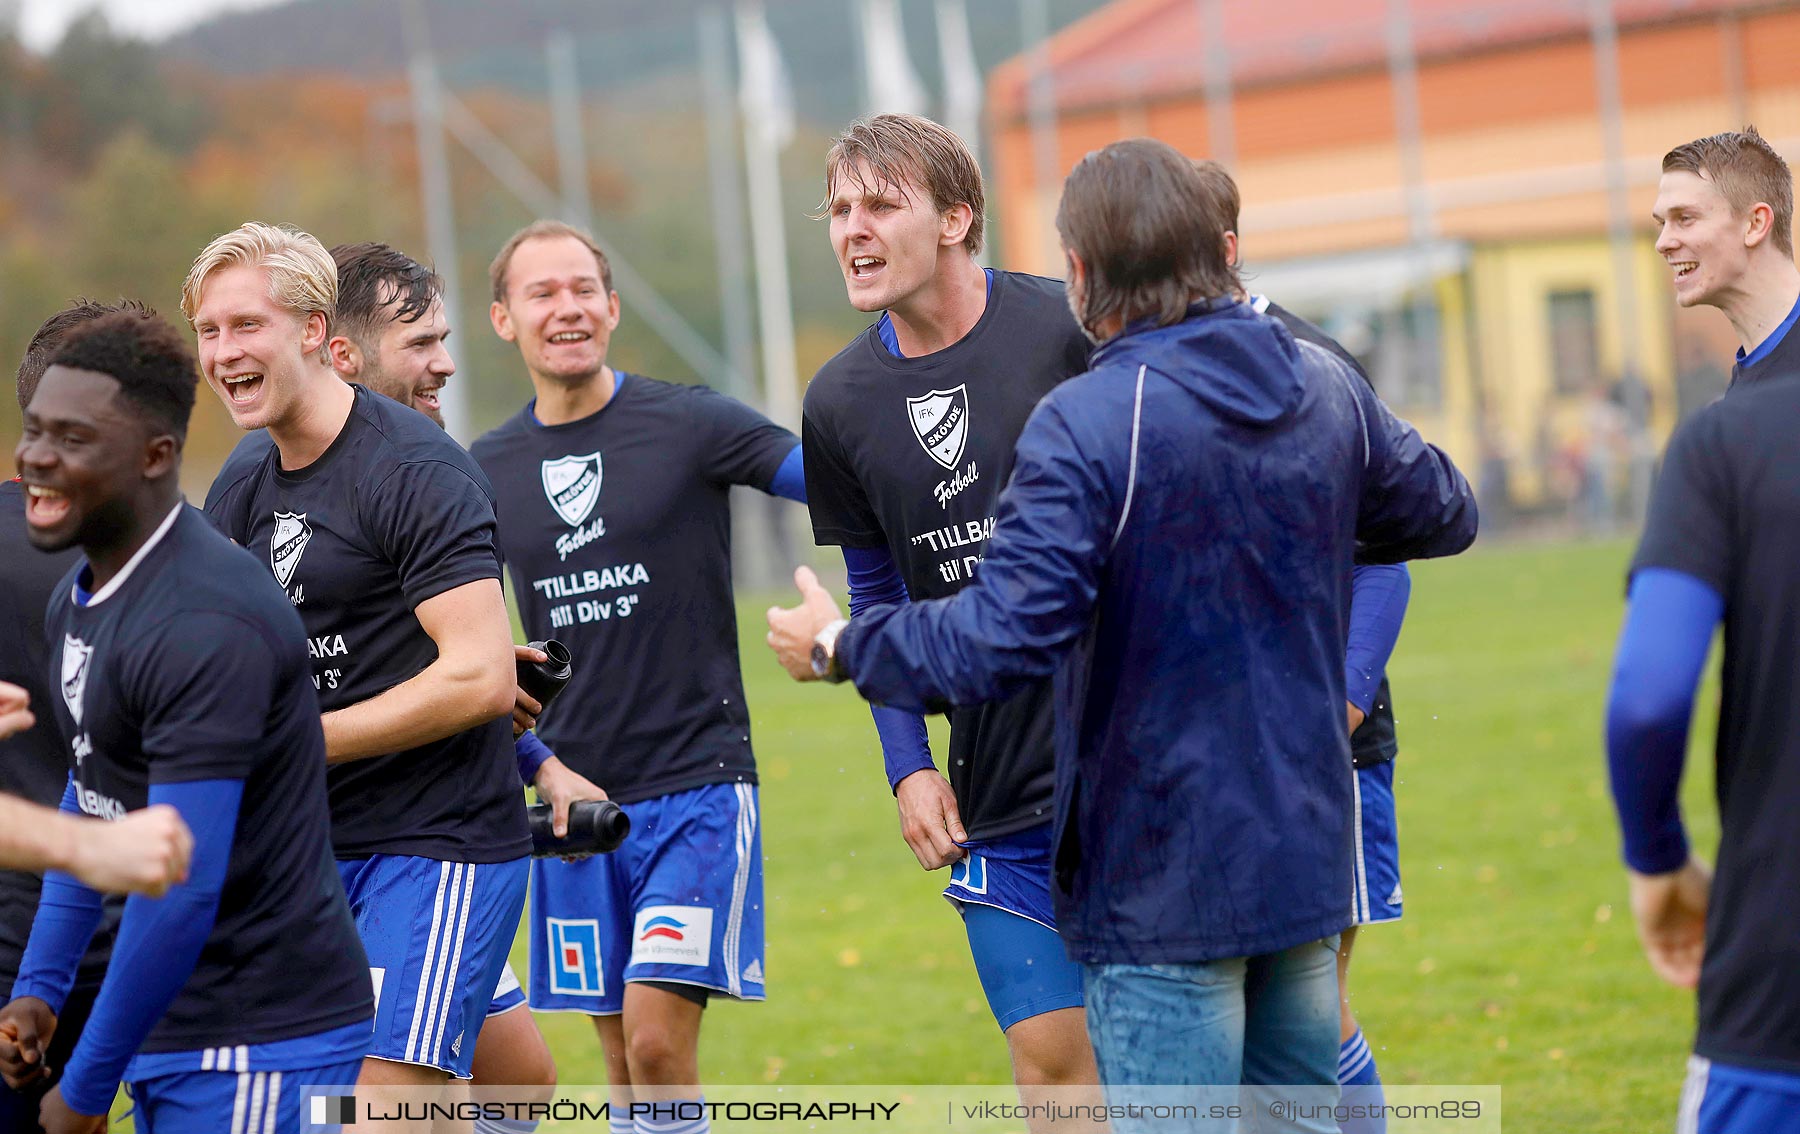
(580, 537)
(947, 489)
(585, 582)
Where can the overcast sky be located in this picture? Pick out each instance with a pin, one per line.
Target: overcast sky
(42, 22)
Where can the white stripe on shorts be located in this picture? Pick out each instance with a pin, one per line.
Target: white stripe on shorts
(455, 968)
(241, 1103)
(1357, 865)
(419, 1001)
(740, 887)
(1693, 1093)
(430, 1039)
(258, 1084)
(270, 1115)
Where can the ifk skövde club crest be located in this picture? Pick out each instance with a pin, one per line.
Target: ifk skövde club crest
(75, 658)
(940, 420)
(572, 485)
(292, 534)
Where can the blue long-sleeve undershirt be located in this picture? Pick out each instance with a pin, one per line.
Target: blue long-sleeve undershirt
(1378, 597)
(159, 943)
(68, 913)
(530, 753)
(789, 481)
(875, 581)
(1662, 650)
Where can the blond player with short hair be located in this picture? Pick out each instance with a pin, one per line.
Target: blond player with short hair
(380, 528)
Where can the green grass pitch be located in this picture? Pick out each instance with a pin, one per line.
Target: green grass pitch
(1516, 963)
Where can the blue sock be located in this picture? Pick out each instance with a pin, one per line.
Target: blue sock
(617, 1123)
(672, 1116)
(1361, 1083)
(505, 1126)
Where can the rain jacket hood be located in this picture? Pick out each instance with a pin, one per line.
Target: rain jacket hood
(1252, 374)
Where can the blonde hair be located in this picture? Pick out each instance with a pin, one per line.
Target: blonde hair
(907, 147)
(302, 276)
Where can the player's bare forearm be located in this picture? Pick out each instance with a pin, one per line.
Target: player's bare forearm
(35, 838)
(470, 683)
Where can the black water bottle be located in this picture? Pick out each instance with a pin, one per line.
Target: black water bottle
(545, 679)
(596, 826)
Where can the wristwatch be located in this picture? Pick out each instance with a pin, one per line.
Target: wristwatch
(824, 653)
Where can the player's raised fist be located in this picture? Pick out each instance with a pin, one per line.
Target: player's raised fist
(26, 1025)
(791, 631)
(144, 853)
(15, 710)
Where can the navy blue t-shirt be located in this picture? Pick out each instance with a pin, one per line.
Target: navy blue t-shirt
(1726, 510)
(392, 514)
(190, 666)
(910, 454)
(617, 532)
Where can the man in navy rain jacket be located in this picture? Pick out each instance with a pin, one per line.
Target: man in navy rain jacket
(1175, 546)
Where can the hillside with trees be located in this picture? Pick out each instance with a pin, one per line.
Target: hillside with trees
(120, 159)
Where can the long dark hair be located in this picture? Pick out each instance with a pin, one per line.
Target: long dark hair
(1150, 233)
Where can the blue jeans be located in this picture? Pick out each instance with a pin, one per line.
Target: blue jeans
(1258, 1021)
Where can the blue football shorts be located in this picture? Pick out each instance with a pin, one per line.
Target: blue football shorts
(243, 1102)
(1722, 1099)
(680, 901)
(437, 934)
(1002, 889)
(507, 994)
(1377, 846)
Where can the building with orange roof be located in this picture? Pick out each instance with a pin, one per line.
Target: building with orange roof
(1460, 190)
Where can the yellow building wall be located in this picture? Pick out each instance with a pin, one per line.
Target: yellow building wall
(1511, 286)
(1452, 425)
(1513, 155)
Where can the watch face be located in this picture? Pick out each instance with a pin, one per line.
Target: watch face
(824, 653)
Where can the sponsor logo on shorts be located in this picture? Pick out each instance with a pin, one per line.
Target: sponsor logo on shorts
(672, 935)
(1394, 899)
(753, 972)
(575, 957)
